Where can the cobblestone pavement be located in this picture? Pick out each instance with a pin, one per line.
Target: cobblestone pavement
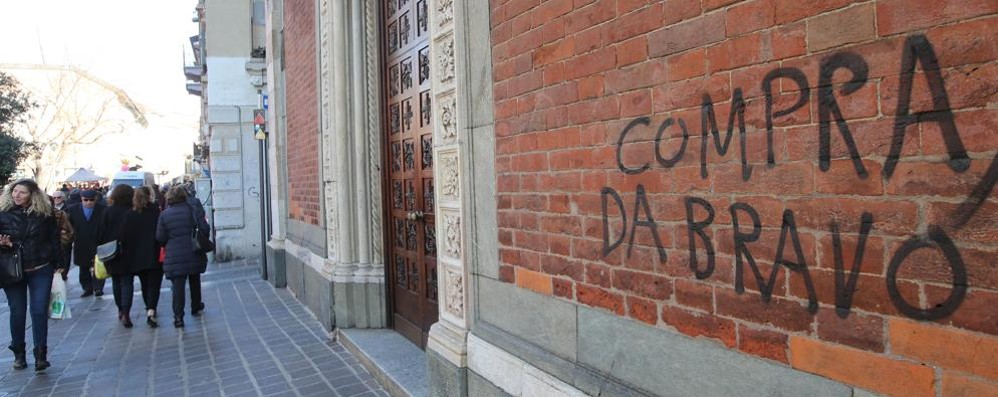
(252, 340)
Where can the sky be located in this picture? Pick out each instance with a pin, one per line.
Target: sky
(137, 45)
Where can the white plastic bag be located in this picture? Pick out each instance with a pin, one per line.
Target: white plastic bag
(58, 309)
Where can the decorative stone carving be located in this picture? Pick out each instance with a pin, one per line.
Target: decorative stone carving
(445, 12)
(454, 285)
(445, 59)
(448, 120)
(372, 54)
(452, 236)
(450, 185)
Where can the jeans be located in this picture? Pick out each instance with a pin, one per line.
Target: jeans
(123, 290)
(152, 281)
(38, 286)
(177, 287)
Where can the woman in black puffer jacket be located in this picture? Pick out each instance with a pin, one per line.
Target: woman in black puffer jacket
(182, 264)
(26, 221)
(112, 228)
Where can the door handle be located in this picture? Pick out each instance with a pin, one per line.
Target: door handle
(415, 215)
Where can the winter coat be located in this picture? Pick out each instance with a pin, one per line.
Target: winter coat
(66, 231)
(111, 228)
(141, 249)
(85, 238)
(174, 230)
(34, 229)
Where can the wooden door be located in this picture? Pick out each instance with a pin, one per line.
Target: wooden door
(412, 262)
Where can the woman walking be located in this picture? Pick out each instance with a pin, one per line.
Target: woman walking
(143, 249)
(182, 263)
(112, 228)
(26, 221)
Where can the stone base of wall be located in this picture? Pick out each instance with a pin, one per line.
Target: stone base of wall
(359, 305)
(445, 378)
(277, 273)
(308, 283)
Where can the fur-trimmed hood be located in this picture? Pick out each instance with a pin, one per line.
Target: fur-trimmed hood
(40, 203)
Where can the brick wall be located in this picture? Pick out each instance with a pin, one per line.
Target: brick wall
(811, 182)
(302, 113)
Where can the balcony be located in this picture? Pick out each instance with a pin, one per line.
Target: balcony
(194, 88)
(193, 73)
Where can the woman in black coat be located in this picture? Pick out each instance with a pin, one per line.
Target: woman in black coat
(112, 228)
(26, 221)
(143, 249)
(182, 263)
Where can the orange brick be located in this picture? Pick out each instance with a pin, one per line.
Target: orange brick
(950, 348)
(863, 369)
(534, 281)
(955, 384)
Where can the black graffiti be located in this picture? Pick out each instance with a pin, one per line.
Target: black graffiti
(668, 163)
(918, 49)
(696, 228)
(936, 238)
(708, 124)
(828, 107)
(845, 285)
(798, 77)
(845, 289)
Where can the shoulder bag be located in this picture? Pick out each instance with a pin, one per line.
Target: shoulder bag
(200, 241)
(109, 250)
(11, 268)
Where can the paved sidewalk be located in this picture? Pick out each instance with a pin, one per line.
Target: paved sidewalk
(252, 340)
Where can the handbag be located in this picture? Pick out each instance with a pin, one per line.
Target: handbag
(100, 271)
(11, 268)
(108, 251)
(201, 242)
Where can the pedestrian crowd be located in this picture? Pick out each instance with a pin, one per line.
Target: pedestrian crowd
(138, 232)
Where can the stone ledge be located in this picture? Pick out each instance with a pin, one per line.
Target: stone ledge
(395, 362)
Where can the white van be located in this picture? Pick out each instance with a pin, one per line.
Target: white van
(133, 179)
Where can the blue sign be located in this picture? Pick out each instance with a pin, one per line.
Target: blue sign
(266, 102)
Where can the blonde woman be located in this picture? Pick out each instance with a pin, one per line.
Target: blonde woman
(27, 223)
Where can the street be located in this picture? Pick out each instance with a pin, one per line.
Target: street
(252, 340)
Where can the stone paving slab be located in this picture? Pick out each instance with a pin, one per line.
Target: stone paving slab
(252, 340)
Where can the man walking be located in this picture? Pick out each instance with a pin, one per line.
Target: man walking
(85, 218)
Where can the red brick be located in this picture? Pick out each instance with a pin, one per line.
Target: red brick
(633, 24)
(870, 371)
(554, 52)
(642, 310)
(794, 10)
(870, 293)
(975, 313)
(749, 16)
(763, 343)
(736, 52)
(598, 275)
(873, 255)
(679, 10)
(688, 93)
(975, 128)
(981, 228)
(852, 25)
(642, 75)
(965, 42)
(560, 266)
(842, 178)
(695, 324)
(895, 217)
(537, 282)
(789, 40)
(694, 294)
(632, 51)
(590, 15)
(966, 87)
(563, 288)
(715, 4)
(642, 284)
(789, 178)
(591, 63)
(601, 298)
(548, 10)
(856, 330)
(635, 103)
(690, 34)
(934, 179)
(507, 274)
(898, 16)
(778, 312)
(687, 65)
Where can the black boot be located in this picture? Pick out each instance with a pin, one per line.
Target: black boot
(40, 361)
(20, 362)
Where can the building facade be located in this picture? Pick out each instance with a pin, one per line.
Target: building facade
(230, 79)
(691, 197)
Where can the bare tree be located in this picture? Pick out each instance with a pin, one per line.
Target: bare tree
(75, 110)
